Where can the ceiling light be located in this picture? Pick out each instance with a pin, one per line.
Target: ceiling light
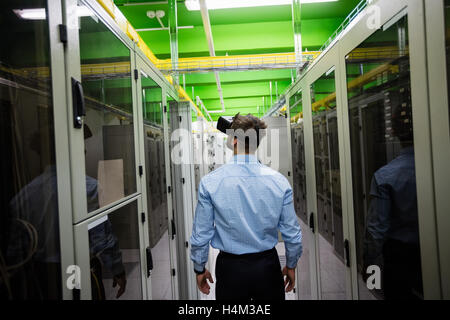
(40, 14)
(220, 4)
(31, 14)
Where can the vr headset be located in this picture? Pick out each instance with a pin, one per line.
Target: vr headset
(224, 123)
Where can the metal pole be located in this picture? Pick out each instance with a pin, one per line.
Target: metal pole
(173, 33)
(296, 23)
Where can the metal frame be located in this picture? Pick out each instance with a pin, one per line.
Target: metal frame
(57, 68)
(440, 131)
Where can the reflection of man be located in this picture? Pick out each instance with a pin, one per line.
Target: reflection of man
(103, 245)
(36, 207)
(392, 236)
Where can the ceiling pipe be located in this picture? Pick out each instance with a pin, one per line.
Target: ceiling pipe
(297, 26)
(165, 28)
(142, 3)
(173, 35)
(200, 103)
(209, 38)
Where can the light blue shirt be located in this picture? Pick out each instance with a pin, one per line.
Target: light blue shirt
(241, 206)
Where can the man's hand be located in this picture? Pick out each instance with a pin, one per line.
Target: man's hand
(202, 284)
(290, 278)
(120, 280)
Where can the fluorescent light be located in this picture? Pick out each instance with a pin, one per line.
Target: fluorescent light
(31, 14)
(228, 4)
(40, 14)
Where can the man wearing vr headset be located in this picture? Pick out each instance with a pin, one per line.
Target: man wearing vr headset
(241, 206)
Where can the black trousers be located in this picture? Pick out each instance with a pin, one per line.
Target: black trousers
(253, 276)
(402, 271)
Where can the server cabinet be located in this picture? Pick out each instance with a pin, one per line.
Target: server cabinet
(306, 270)
(105, 155)
(183, 181)
(298, 171)
(152, 90)
(386, 129)
(35, 167)
(323, 144)
(437, 14)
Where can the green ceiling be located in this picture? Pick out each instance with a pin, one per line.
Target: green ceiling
(239, 31)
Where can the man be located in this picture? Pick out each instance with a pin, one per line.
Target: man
(241, 206)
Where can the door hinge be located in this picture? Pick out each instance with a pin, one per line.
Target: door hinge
(186, 244)
(347, 252)
(174, 230)
(62, 33)
(182, 180)
(180, 118)
(289, 173)
(141, 171)
(169, 189)
(173, 272)
(143, 217)
(311, 222)
(165, 109)
(136, 74)
(149, 261)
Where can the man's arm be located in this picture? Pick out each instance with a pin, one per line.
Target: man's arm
(292, 236)
(203, 229)
(377, 223)
(290, 231)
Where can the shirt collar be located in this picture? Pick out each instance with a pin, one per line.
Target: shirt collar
(244, 158)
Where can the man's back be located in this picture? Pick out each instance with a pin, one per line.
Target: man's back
(241, 206)
(248, 198)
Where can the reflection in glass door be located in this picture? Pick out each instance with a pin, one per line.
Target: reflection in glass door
(299, 189)
(157, 206)
(108, 125)
(30, 257)
(332, 267)
(115, 263)
(110, 163)
(383, 166)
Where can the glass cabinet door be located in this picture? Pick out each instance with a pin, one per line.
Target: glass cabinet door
(30, 254)
(383, 167)
(299, 189)
(114, 253)
(332, 269)
(157, 205)
(108, 126)
(114, 248)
